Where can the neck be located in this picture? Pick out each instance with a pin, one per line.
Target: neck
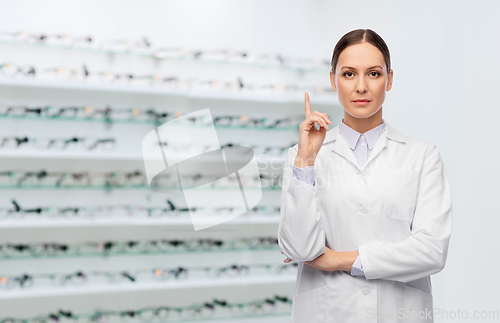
(362, 125)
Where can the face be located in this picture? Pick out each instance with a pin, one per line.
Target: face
(361, 73)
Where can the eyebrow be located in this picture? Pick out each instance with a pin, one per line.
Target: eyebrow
(355, 69)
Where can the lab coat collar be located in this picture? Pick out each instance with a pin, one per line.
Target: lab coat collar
(352, 136)
(341, 147)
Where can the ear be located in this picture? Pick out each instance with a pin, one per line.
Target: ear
(332, 81)
(389, 82)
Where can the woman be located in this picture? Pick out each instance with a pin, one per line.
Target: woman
(365, 210)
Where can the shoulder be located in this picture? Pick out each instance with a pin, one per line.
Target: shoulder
(412, 143)
(419, 149)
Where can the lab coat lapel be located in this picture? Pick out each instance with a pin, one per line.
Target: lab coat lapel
(340, 146)
(379, 146)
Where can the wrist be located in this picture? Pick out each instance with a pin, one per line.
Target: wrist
(302, 162)
(346, 260)
(351, 259)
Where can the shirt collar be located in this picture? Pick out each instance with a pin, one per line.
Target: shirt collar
(352, 136)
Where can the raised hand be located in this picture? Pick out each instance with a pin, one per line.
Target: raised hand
(310, 138)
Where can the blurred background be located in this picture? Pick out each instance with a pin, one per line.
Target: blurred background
(83, 236)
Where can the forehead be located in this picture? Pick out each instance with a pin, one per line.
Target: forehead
(361, 56)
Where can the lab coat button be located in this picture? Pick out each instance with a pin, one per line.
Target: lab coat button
(363, 210)
(365, 290)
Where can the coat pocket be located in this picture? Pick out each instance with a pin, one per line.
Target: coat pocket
(310, 306)
(417, 305)
(400, 194)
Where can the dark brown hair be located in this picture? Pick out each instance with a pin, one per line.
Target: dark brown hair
(359, 36)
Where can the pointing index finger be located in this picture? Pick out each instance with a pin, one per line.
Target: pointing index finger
(308, 105)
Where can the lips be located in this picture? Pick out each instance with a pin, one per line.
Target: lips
(361, 102)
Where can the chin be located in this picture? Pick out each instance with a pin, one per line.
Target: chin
(360, 113)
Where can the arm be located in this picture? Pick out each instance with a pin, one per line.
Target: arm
(424, 252)
(301, 236)
(306, 175)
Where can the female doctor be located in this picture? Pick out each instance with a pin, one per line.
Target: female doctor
(365, 210)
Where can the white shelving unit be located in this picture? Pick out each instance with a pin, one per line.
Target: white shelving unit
(127, 156)
(203, 94)
(70, 291)
(125, 220)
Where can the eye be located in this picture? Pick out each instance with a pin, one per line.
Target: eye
(347, 73)
(375, 73)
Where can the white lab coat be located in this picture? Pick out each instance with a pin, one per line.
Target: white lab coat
(396, 211)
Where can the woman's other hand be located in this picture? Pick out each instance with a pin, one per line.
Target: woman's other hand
(324, 262)
(310, 138)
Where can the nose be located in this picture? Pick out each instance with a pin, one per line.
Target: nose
(361, 87)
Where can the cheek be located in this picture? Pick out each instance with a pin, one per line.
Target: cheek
(379, 89)
(344, 87)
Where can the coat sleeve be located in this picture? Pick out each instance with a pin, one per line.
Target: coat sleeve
(425, 251)
(301, 236)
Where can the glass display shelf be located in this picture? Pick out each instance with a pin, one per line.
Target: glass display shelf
(138, 253)
(118, 156)
(129, 221)
(151, 122)
(158, 54)
(281, 315)
(259, 318)
(129, 89)
(250, 318)
(131, 187)
(121, 287)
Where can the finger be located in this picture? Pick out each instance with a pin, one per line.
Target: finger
(326, 117)
(320, 120)
(310, 123)
(323, 115)
(308, 105)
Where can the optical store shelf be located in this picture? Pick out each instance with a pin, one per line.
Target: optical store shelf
(4, 258)
(150, 286)
(142, 122)
(4, 153)
(109, 255)
(261, 318)
(161, 54)
(258, 318)
(327, 99)
(182, 221)
(141, 187)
